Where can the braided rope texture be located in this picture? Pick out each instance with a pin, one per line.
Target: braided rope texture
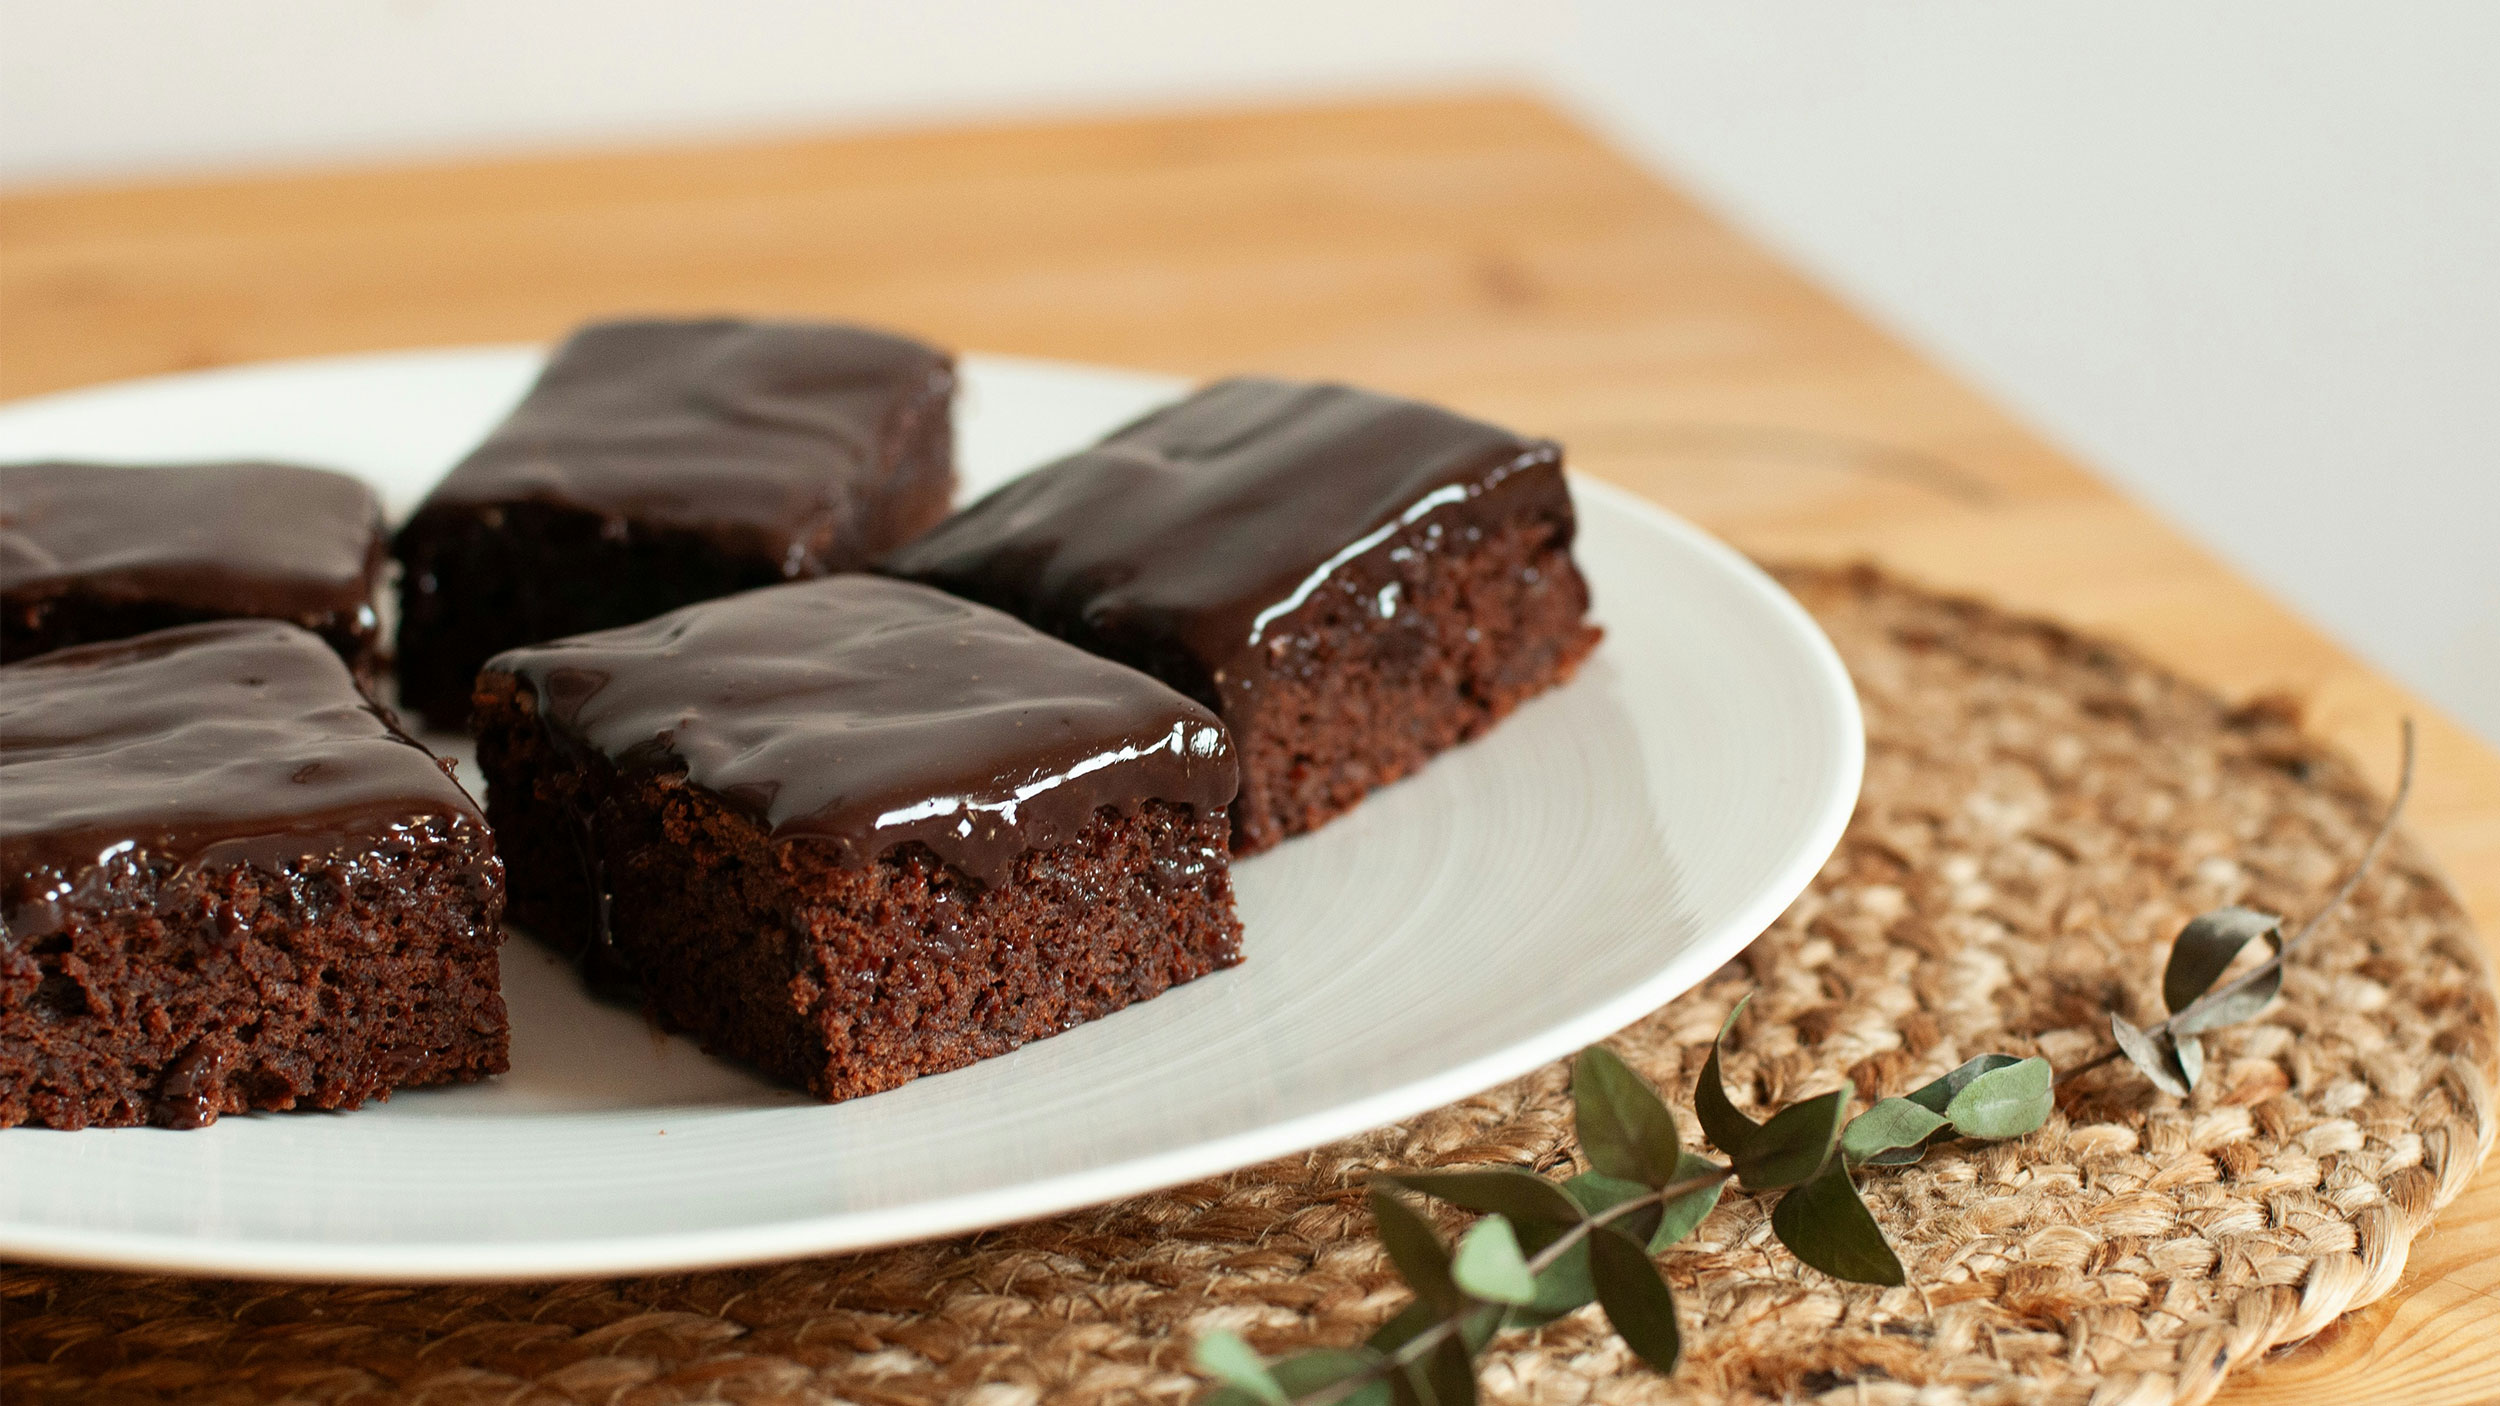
(2042, 812)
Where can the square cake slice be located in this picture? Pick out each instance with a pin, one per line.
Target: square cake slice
(854, 831)
(92, 552)
(231, 883)
(660, 463)
(1353, 581)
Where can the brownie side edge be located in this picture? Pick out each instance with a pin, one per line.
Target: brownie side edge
(845, 980)
(177, 994)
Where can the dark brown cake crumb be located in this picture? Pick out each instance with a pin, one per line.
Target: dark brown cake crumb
(854, 831)
(657, 463)
(230, 883)
(1353, 581)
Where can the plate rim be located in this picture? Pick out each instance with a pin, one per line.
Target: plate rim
(862, 1230)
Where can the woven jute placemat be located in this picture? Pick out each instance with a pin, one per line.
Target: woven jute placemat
(2042, 812)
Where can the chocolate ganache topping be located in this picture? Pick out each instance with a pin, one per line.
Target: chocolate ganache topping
(240, 539)
(1189, 540)
(231, 742)
(865, 713)
(770, 437)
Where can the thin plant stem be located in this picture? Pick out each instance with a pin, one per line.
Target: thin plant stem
(1416, 1348)
(2273, 964)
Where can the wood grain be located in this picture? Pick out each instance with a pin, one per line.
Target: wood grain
(1479, 250)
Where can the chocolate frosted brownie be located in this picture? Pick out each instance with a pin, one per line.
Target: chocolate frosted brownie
(660, 463)
(1353, 581)
(856, 830)
(230, 883)
(90, 552)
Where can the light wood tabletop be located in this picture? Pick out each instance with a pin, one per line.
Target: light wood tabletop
(1477, 250)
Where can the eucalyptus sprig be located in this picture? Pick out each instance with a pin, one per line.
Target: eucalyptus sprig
(1541, 1248)
(2170, 1052)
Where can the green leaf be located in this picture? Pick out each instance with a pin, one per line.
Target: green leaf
(1825, 1224)
(1560, 1288)
(1450, 1374)
(2190, 1052)
(1599, 1193)
(1523, 1196)
(1795, 1144)
(1637, 1301)
(1416, 1251)
(1625, 1129)
(2005, 1103)
(1402, 1329)
(1596, 1192)
(1690, 1209)
(2156, 1057)
(1893, 1133)
(1937, 1094)
(1230, 1360)
(1728, 1130)
(1489, 1266)
(1307, 1372)
(2205, 949)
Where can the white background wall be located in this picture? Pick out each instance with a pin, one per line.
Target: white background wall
(2243, 257)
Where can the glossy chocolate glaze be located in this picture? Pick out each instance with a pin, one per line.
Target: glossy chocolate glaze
(864, 713)
(772, 439)
(232, 742)
(1190, 541)
(272, 540)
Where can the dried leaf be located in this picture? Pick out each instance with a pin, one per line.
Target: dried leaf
(1637, 1301)
(2149, 1054)
(1416, 1251)
(1489, 1266)
(2205, 948)
(1825, 1224)
(1625, 1129)
(1728, 1130)
(1230, 1360)
(2235, 1002)
(1523, 1196)
(1795, 1144)
(1892, 1133)
(2190, 1052)
(2006, 1103)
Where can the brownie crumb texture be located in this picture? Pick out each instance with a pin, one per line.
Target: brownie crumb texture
(844, 979)
(1352, 581)
(229, 882)
(1383, 671)
(659, 463)
(170, 995)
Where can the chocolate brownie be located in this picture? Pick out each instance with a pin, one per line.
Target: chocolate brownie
(229, 883)
(656, 464)
(1353, 581)
(855, 830)
(90, 552)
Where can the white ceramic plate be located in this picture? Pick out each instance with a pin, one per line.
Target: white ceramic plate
(1529, 893)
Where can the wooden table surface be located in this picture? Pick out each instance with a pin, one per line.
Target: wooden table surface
(1480, 251)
